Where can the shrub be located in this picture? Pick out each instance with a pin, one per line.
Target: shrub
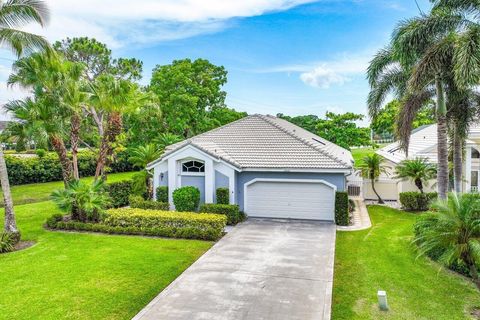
(22, 170)
(351, 205)
(7, 242)
(167, 223)
(186, 199)
(230, 210)
(139, 202)
(223, 195)
(342, 214)
(54, 219)
(119, 193)
(162, 194)
(40, 153)
(416, 201)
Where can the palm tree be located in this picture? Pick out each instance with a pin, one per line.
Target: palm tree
(54, 82)
(386, 75)
(112, 96)
(15, 14)
(453, 230)
(419, 170)
(83, 200)
(370, 168)
(73, 96)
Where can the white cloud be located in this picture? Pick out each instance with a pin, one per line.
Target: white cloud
(322, 77)
(123, 22)
(323, 74)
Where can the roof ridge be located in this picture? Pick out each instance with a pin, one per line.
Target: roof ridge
(191, 139)
(310, 144)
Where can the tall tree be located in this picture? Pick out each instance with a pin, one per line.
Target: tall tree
(99, 65)
(444, 46)
(15, 14)
(48, 75)
(112, 96)
(343, 130)
(187, 91)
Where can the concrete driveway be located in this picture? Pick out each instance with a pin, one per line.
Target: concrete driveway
(262, 269)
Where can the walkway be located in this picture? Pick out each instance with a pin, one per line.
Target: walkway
(360, 219)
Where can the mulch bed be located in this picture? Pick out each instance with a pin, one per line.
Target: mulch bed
(23, 245)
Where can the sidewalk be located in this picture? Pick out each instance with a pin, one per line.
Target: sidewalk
(360, 219)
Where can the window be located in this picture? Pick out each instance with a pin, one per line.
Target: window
(474, 179)
(475, 154)
(193, 166)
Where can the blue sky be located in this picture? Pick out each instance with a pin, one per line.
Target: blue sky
(288, 56)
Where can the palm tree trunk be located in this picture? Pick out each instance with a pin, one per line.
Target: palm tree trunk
(114, 128)
(457, 160)
(380, 200)
(419, 185)
(74, 136)
(10, 223)
(442, 148)
(61, 150)
(473, 271)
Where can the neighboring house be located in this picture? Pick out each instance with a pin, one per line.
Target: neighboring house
(272, 168)
(423, 144)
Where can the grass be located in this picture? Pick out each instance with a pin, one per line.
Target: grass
(38, 192)
(382, 258)
(86, 276)
(359, 153)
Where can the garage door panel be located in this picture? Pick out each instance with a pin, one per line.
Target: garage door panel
(296, 200)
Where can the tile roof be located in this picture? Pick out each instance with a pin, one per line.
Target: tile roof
(260, 141)
(422, 144)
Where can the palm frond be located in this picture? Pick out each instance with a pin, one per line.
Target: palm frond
(21, 42)
(18, 13)
(409, 106)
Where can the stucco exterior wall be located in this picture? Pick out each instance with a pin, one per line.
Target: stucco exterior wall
(337, 179)
(221, 181)
(195, 181)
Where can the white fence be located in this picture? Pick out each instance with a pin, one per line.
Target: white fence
(386, 188)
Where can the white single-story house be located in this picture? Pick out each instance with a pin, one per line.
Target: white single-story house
(423, 144)
(272, 168)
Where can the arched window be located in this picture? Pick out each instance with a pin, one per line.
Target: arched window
(475, 154)
(193, 166)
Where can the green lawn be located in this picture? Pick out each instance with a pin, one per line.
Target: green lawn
(359, 153)
(382, 258)
(86, 276)
(37, 192)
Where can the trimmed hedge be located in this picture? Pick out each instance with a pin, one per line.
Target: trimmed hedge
(171, 224)
(139, 202)
(231, 211)
(416, 201)
(162, 194)
(187, 225)
(120, 192)
(186, 199)
(223, 195)
(342, 214)
(23, 170)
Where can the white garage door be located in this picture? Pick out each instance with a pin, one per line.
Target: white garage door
(294, 199)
